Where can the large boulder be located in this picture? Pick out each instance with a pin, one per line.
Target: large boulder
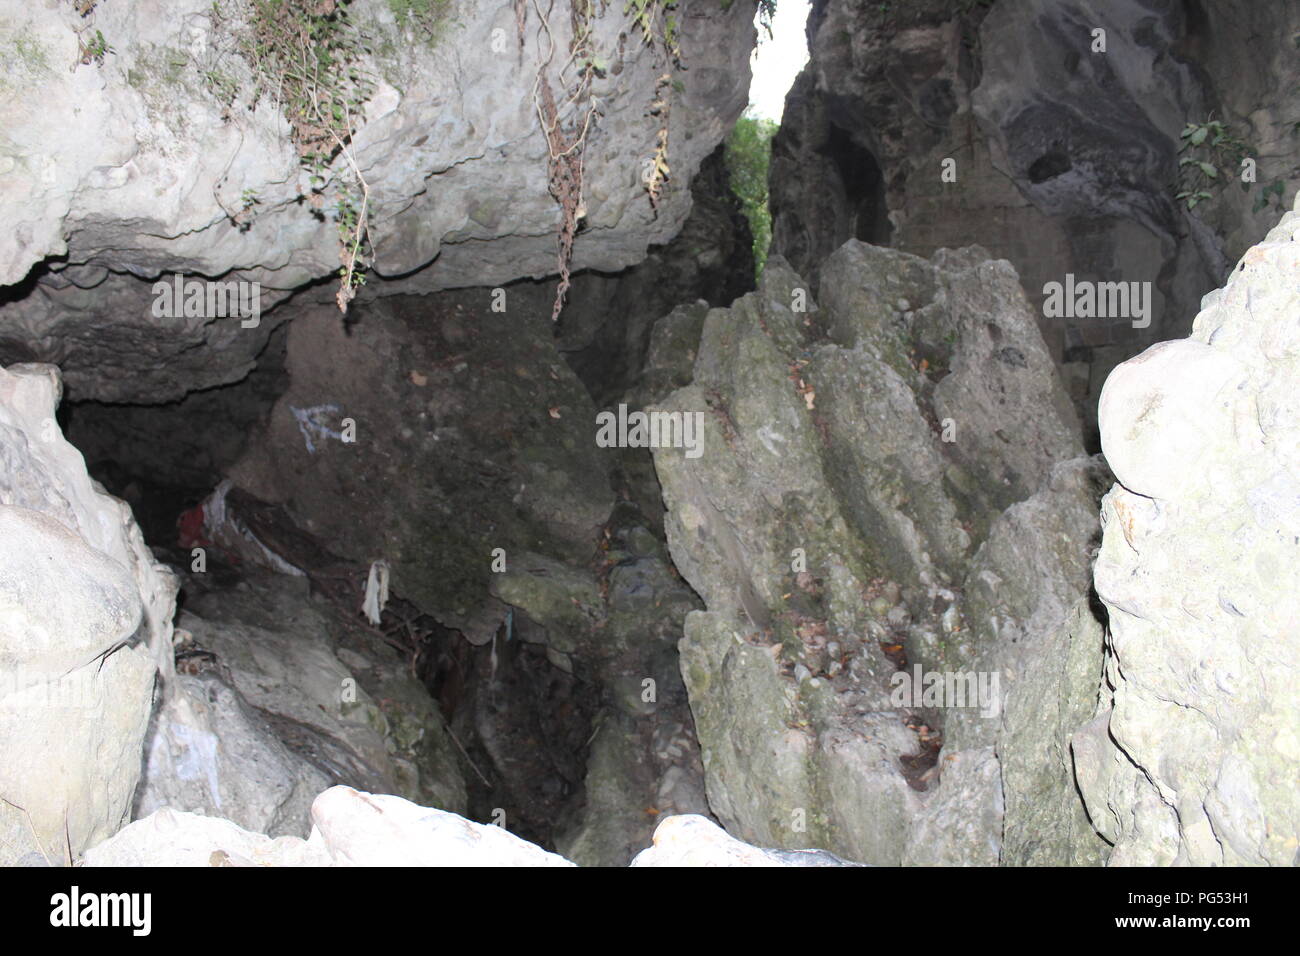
(865, 466)
(1192, 756)
(87, 619)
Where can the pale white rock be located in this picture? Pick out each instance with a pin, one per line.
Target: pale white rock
(170, 837)
(692, 840)
(1162, 413)
(351, 828)
(365, 829)
(1192, 757)
(119, 173)
(76, 581)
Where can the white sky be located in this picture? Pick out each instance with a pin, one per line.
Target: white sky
(778, 61)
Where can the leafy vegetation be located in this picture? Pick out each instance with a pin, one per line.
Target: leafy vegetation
(749, 154)
(426, 17)
(1213, 156)
(305, 56)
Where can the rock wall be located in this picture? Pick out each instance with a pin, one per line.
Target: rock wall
(1191, 757)
(87, 618)
(161, 159)
(1063, 158)
(892, 479)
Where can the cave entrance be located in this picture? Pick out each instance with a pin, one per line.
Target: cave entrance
(864, 214)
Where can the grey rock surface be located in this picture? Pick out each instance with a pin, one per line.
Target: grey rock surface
(1192, 756)
(1045, 822)
(272, 716)
(932, 124)
(862, 462)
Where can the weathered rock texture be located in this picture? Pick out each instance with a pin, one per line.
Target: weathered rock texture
(471, 434)
(1192, 756)
(278, 707)
(1064, 157)
(76, 582)
(114, 174)
(896, 474)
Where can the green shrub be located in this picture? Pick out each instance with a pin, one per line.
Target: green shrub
(749, 154)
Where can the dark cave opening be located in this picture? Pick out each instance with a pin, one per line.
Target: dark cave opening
(865, 212)
(522, 718)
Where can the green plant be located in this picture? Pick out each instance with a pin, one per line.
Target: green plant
(94, 50)
(646, 15)
(748, 155)
(305, 56)
(425, 17)
(1214, 154)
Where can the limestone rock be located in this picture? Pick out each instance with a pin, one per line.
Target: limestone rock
(1045, 823)
(277, 717)
(86, 617)
(176, 165)
(1192, 757)
(349, 828)
(692, 840)
(862, 458)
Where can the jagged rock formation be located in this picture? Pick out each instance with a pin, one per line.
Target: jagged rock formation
(1192, 756)
(155, 161)
(845, 508)
(85, 618)
(1064, 157)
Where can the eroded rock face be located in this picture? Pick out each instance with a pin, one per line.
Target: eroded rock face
(1059, 155)
(87, 618)
(471, 434)
(894, 473)
(168, 169)
(1192, 756)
